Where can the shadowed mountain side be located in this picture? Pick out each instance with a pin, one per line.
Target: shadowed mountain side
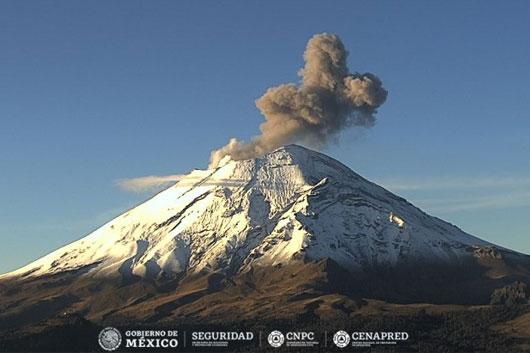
(313, 289)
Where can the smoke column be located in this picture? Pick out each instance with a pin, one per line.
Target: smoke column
(329, 99)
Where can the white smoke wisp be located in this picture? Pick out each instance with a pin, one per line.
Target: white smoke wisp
(148, 183)
(329, 99)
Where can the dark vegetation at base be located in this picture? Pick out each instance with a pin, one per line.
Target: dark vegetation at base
(70, 333)
(463, 283)
(446, 332)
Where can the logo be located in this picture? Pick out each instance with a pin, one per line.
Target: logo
(341, 339)
(276, 339)
(109, 339)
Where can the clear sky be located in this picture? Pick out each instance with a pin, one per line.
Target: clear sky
(96, 91)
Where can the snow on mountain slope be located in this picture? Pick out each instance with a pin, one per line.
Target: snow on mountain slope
(291, 204)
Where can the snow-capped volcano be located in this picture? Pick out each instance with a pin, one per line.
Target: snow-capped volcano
(289, 205)
(292, 234)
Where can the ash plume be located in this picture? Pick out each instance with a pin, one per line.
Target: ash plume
(329, 99)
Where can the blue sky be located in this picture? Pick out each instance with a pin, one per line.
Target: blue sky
(96, 91)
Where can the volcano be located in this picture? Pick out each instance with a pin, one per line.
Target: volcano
(293, 234)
